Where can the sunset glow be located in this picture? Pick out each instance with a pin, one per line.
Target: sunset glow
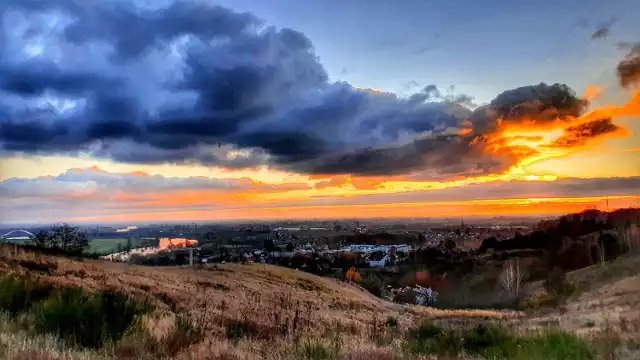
(177, 125)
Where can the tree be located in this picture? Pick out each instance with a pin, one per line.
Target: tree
(290, 247)
(62, 237)
(269, 246)
(489, 243)
(129, 244)
(42, 239)
(511, 278)
(69, 238)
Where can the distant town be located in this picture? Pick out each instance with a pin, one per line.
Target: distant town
(379, 242)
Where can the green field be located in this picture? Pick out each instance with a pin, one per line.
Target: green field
(104, 246)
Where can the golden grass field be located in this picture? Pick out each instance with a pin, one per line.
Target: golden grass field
(282, 306)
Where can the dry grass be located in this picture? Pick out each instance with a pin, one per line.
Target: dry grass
(607, 297)
(17, 344)
(264, 312)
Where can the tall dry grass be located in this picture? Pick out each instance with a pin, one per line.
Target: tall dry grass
(230, 312)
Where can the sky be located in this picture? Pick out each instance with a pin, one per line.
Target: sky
(194, 110)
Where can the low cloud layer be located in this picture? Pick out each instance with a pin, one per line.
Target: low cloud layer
(197, 83)
(95, 194)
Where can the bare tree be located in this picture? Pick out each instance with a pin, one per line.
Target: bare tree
(511, 278)
(603, 255)
(63, 237)
(42, 239)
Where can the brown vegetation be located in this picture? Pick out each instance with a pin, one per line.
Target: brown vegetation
(260, 311)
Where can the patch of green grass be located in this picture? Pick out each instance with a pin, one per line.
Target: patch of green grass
(553, 345)
(18, 294)
(313, 350)
(490, 341)
(430, 339)
(105, 246)
(495, 342)
(86, 320)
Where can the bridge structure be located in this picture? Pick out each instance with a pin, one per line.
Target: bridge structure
(18, 234)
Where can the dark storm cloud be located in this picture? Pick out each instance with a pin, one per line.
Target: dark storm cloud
(196, 83)
(444, 155)
(540, 103)
(581, 134)
(629, 68)
(33, 78)
(131, 30)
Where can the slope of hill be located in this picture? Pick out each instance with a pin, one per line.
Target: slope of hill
(606, 296)
(259, 311)
(227, 304)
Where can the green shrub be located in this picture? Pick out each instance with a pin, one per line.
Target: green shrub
(237, 329)
(490, 341)
(431, 339)
(553, 345)
(543, 300)
(372, 284)
(557, 284)
(18, 295)
(495, 342)
(86, 320)
(313, 350)
(392, 322)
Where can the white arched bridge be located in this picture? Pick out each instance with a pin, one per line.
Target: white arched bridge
(18, 234)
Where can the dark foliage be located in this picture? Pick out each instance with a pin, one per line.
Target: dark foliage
(87, 320)
(18, 295)
(372, 284)
(495, 342)
(63, 237)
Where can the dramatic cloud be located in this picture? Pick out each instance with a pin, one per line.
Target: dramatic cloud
(537, 104)
(579, 135)
(496, 190)
(629, 67)
(196, 83)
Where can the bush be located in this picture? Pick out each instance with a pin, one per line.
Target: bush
(543, 300)
(557, 284)
(64, 237)
(238, 329)
(18, 295)
(87, 320)
(490, 341)
(392, 322)
(553, 345)
(373, 285)
(313, 350)
(495, 342)
(430, 339)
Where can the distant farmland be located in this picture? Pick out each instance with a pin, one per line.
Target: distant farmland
(105, 246)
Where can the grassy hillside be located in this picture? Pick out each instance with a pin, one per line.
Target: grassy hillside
(606, 297)
(238, 312)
